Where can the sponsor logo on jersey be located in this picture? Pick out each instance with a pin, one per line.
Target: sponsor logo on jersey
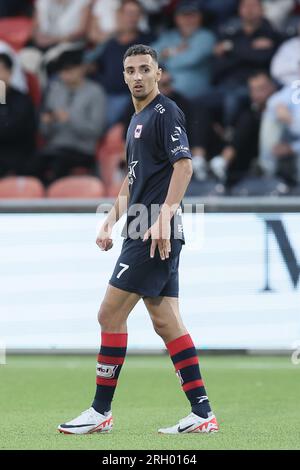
(105, 370)
(180, 148)
(159, 108)
(176, 134)
(138, 131)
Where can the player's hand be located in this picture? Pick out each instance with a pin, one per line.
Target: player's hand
(61, 115)
(104, 240)
(283, 114)
(282, 150)
(262, 43)
(47, 118)
(222, 48)
(160, 233)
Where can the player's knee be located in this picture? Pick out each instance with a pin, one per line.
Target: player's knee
(161, 327)
(109, 319)
(104, 316)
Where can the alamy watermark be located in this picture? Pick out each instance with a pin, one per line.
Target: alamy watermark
(2, 353)
(2, 92)
(140, 218)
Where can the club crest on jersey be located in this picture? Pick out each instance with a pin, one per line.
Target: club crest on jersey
(131, 171)
(138, 131)
(106, 371)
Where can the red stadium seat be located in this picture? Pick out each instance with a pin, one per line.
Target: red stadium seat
(79, 171)
(34, 88)
(81, 187)
(114, 189)
(110, 153)
(16, 31)
(21, 187)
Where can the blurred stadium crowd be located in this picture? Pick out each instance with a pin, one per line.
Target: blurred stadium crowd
(233, 66)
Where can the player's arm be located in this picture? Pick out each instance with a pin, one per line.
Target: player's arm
(161, 230)
(182, 174)
(104, 240)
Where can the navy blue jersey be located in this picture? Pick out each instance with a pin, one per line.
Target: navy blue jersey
(156, 139)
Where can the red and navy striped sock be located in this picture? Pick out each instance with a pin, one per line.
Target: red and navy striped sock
(185, 360)
(110, 360)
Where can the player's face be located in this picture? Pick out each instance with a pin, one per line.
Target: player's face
(141, 74)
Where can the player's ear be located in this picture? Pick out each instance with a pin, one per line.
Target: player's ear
(158, 74)
(124, 75)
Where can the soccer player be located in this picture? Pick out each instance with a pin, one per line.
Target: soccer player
(159, 171)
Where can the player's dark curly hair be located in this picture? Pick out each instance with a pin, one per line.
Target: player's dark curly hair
(140, 49)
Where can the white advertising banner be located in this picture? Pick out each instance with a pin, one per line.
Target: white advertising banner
(239, 282)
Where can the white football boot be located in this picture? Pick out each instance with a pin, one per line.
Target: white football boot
(193, 423)
(88, 422)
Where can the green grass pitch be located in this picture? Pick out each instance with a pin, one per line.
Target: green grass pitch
(256, 400)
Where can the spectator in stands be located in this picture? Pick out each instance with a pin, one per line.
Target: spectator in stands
(17, 125)
(17, 76)
(250, 46)
(240, 51)
(103, 22)
(109, 57)
(186, 51)
(72, 121)
(235, 161)
(285, 65)
(229, 163)
(58, 21)
(280, 136)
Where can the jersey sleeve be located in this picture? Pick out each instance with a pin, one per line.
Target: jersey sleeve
(173, 134)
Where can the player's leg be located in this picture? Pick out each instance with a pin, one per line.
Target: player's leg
(167, 322)
(115, 308)
(114, 311)
(165, 316)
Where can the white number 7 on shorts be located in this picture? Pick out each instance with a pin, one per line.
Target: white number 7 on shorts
(124, 266)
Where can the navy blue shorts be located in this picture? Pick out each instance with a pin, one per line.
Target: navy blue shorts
(136, 272)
